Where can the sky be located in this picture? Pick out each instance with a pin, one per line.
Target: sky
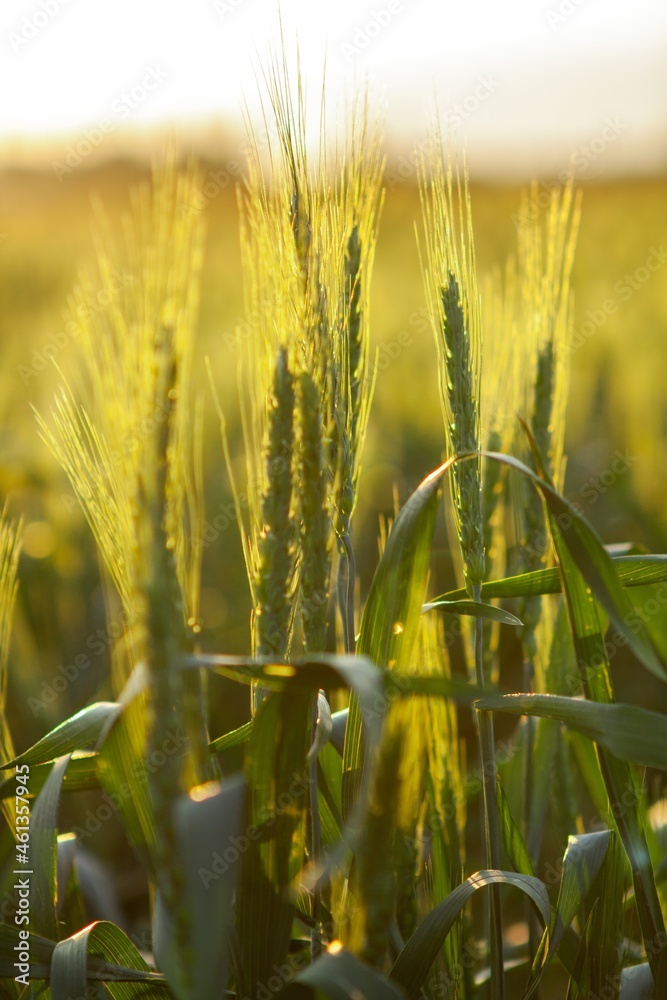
(523, 84)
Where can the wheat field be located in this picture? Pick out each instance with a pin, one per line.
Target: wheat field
(332, 566)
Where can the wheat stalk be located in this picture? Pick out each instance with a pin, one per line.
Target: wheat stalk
(453, 297)
(454, 304)
(10, 550)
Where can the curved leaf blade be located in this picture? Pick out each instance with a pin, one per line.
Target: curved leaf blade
(77, 733)
(476, 609)
(417, 957)
(101, 952)
(632, 571)
(128, 967)
(589, 582)
(234, 739)
(124, 771)
(582, 861)
(573, 534)
(43, 853)
(390, 621)
(627, 731)
(81, 776)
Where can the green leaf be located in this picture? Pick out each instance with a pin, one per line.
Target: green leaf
(70, 907)
(339, 975)
(605, 931)
(632, 571)
(582, 861)
(475, 608)
(81, 776)
(43, 853)
(582, 754)
(124, 769)
(102, 952)
(207, 824)
(233, 739)
(390, 621)
(431, 686)
(650, 604)
(77, 733)
(513, 842)
(111, 958)
(373, 689)
(627, 731)
(571, 534)
(311, 673)
(417, 957)
(274, 830)
(329, 794)
(588, 577)
(561, 676)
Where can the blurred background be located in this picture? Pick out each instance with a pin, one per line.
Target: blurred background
(94, 93)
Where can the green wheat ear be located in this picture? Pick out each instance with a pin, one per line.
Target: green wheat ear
(546, 254)
(131, 453)
(308, 232)
(274, 576)
(503, 381)
(451, 286)
(104, 436)
(315, 519)
(463, 431)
